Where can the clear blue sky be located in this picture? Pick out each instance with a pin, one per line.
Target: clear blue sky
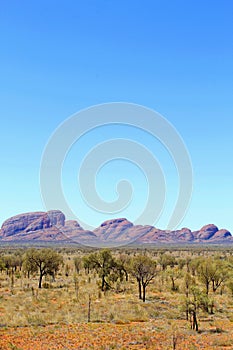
(175, 57)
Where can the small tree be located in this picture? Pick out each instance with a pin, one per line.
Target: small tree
(144, 270)
(8, 262)
(77, 264)
(166, 260)
(196, 301)
(193, 306)
(206, 271)
(189, 282)
(104, 263)
(193, 266)
(123, 264)
(174, 274)
(76, 285)
(212, 272)
(46, 261)
(220, 275)
(2, 265)
(87, 264)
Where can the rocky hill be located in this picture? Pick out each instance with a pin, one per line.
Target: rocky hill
(52, 226)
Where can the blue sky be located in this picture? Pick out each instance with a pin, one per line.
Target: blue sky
(175, 57)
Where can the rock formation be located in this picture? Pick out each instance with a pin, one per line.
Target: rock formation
(52, 226)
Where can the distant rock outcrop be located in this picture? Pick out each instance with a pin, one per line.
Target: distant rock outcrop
(34, 226)
(74, 231)
(185, 234)
(52, 226)
(207, 232)
(19, 223)
(56, 217)
(112, 229)
(221, 234)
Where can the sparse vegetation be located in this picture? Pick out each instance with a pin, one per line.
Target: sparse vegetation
(189, 291)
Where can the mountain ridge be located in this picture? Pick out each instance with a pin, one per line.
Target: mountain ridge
(52, 226)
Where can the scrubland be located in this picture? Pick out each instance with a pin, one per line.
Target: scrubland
(188, 302)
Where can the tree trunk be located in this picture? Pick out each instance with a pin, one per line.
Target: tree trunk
(187, 311)
(187, 305)
(195, 324)
(126, 276)
(173, 284)
(212, 308)
(213, 286)
(40, 280)
(139, 289)
(89, 309)
(53, 277)
(144, 293)
(207, 288)
(103, 283)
